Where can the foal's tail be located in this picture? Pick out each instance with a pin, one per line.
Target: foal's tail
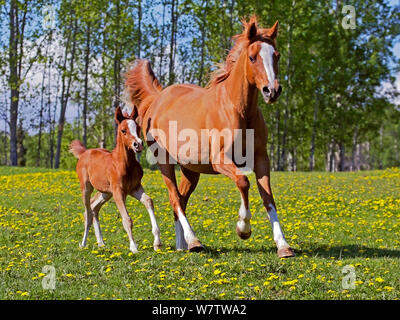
(77, 148)
(141, 85)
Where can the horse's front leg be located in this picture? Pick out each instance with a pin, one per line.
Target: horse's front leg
(243, 227)
(120, 198)
(140, 195)
(262, 172)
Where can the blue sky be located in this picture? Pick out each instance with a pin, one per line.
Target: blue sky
(397, 45)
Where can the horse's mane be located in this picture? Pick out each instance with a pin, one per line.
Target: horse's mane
(241, 41)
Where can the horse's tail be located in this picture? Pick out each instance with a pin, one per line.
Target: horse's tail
(141, 85)
(77, 148)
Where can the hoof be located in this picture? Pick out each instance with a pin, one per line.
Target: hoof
(157, 247)
(242, 235)
(286, 253)
(196, 247)
(181, 247)
(134, 250)
(101, 245)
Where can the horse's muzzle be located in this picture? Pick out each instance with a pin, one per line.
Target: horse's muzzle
(137, 146)
(272, 95)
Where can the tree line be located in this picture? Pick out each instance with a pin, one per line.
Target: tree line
(62, 64)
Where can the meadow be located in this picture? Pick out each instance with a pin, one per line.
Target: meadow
(334, 221)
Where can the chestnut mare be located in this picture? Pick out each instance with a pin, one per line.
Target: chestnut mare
(115, 173)
(229, 102)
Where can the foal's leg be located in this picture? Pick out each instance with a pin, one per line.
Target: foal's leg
(168, 173)
(96, 203)
(187, 185)
(87, 190)
(261, 169)
(140, 195)
(120, 198)
(243, 227)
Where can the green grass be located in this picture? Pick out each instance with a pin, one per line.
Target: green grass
(331, 220)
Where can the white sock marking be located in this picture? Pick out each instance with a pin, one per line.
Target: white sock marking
(179, 236)
(133, 246)
(145, 199)
(279, 238)
(244, 219)
(96, 224)
(187, 229)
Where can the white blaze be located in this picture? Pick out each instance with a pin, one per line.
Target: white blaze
(133, 128)
(267, 55)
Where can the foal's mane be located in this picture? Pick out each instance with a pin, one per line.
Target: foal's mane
(241, 42)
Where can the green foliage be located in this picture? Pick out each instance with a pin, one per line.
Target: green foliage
(332, 78)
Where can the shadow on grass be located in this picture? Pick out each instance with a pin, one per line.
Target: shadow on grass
(348, 251)
(338, 252)
(216, 251)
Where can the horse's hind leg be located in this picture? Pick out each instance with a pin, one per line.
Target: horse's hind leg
(87, 190)
(140, 195)
(96, 203)
(168, 173)
(187, 185)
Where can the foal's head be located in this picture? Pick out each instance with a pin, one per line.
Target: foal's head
(262, 59)
(128, 130)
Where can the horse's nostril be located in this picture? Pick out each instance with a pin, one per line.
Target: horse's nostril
(135, 144)
(265, 90)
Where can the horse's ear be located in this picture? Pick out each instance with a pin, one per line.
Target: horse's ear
(134, 113)
(252, 30)
(119, 117)
(273, 31)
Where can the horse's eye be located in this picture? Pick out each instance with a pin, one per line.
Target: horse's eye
(123, 131)
(252, 60)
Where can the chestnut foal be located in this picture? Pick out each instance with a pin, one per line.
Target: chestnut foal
(117, 174)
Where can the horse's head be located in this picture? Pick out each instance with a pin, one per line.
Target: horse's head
(128, 129)
(262, 59)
